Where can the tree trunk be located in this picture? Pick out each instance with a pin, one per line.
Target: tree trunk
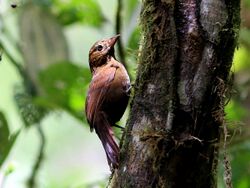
(177, 111)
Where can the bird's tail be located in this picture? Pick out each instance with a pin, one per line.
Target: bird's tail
(105, 133)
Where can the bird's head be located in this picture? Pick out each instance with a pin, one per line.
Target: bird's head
(101, 51)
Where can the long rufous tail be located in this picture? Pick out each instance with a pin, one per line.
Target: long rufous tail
(104, 131)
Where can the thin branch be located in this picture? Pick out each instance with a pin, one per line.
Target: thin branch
(4, 50)
(40, 157)
(7, 33)
(118, 28)
(12, 60)
(28, 84)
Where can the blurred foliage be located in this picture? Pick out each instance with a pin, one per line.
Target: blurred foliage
(244, 36)
(240, 156)
(6, 139)
(247, 3)
(241, 59)
(64, 86)
(43, 40)
(83, 11)
(130, 7)
(235, 111)
(133, 43)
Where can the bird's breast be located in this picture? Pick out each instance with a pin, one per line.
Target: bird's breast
(117, 96)
(119, 85)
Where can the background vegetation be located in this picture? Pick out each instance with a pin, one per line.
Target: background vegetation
(44, 74)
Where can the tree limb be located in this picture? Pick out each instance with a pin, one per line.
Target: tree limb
(31, 181)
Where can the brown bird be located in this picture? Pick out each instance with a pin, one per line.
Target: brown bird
(108, 95)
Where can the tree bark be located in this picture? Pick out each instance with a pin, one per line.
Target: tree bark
(177, 111)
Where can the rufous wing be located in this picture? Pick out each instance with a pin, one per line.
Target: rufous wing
(98, 88)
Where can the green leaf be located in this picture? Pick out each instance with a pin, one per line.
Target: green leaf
(64, 86)
(133, 43)
(84, 11)
(241, 59)
(235, 111)
(240, 164)
(244, 182)
(6, 139)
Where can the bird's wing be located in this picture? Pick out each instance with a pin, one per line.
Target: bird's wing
(97, 91)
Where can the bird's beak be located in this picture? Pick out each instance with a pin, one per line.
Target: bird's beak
(113, 40)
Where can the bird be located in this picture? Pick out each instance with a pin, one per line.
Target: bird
(107, 96)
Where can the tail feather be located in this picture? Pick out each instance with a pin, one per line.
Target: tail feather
(105, 133)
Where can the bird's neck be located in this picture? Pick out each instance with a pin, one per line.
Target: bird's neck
(110, 58)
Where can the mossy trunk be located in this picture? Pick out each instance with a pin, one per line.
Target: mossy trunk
(173, 132)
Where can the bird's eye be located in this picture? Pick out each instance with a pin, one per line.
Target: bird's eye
(99, 47)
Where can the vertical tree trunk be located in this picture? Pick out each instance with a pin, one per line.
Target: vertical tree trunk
(177, 111)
